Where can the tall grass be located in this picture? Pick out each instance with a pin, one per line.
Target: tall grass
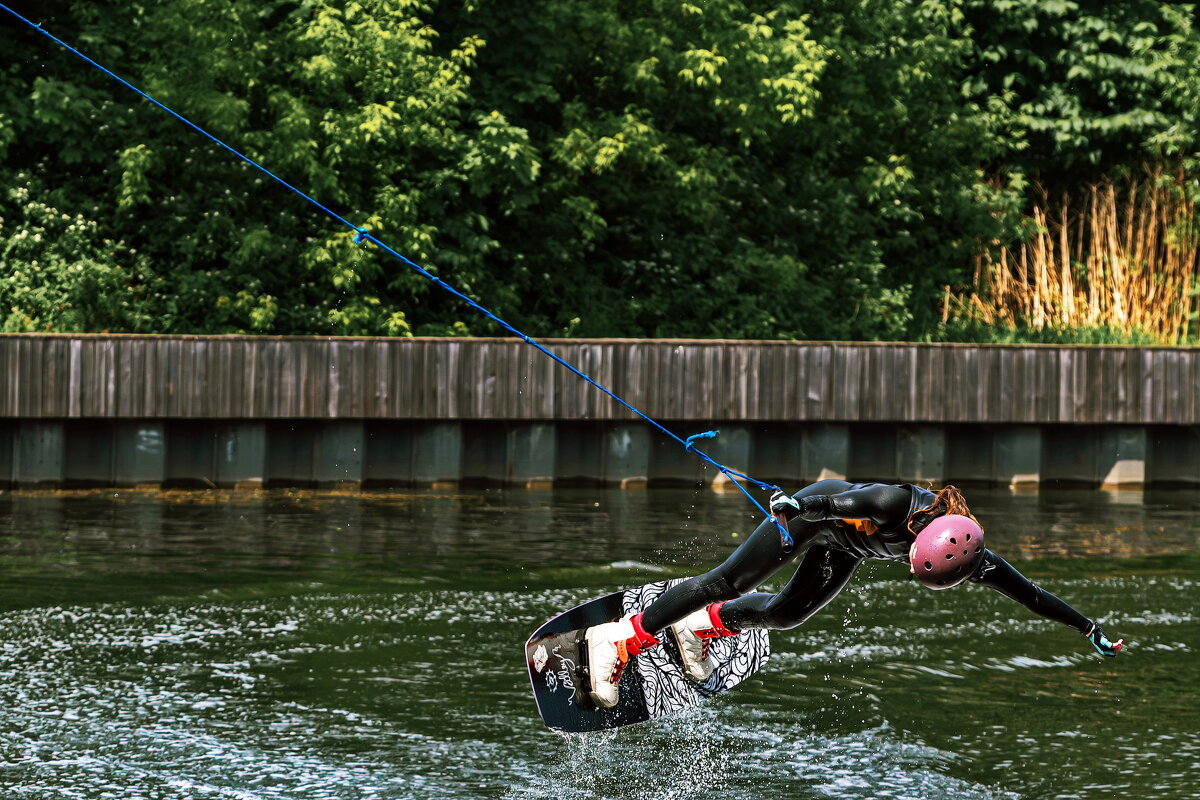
(1119, 256)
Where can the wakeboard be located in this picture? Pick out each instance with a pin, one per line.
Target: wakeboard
(653, 685)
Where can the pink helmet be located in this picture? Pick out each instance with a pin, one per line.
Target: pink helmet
(947, 551)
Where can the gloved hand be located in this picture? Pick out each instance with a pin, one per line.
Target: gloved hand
(1099, 641)
(783, 504)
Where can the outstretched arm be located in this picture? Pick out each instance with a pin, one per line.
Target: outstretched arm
(998, 574)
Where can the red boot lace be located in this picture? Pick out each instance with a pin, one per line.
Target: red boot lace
(622, 662)
(717, 630)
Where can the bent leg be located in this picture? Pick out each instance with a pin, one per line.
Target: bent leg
(758, 558)
(820, 577)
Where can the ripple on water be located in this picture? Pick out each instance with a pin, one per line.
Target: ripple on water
(701, 754)
(422, 695)
(202, 700)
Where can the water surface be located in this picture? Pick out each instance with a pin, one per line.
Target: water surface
(308, 645)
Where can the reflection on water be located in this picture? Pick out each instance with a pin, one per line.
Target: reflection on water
(307, 645)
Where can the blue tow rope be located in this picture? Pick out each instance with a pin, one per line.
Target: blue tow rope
(363, 235)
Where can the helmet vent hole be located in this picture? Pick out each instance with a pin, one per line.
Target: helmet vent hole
(953, 540)
(977, 548)
(941, 583)
(928, 565)
(949, 556)
(968, 538)
(958, 569)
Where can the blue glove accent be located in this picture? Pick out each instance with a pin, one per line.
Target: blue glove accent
(1099, 641)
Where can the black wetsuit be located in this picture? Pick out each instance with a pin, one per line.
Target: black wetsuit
(841, 525)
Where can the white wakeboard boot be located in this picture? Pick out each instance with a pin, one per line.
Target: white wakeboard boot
(610, 647)
(693, 634)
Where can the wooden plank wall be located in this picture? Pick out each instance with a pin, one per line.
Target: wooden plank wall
(235, 377)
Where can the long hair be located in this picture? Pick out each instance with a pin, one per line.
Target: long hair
(947, 501)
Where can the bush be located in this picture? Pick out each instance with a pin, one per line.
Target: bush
(732, 168)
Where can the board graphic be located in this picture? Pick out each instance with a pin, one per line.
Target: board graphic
(652, 686)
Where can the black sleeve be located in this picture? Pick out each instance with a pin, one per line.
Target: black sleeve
(998, 574)
(885, 505)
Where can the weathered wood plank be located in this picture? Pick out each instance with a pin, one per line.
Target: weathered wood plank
(225, 377)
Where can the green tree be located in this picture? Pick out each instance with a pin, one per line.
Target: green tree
(734, 168)
(1080, 88)
(739, 169)
(349, 101)
(54, 266)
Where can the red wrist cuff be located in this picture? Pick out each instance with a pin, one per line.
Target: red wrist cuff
(719, 628)
(642, 640)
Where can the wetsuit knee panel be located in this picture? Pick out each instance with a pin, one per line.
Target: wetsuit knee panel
(729, 581)
(717, 587)
(686, 597)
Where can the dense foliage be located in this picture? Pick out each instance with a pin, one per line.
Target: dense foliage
(713, 168)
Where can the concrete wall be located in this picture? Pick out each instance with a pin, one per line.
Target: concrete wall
(356, 453)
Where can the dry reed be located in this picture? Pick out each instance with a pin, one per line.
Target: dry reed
(1121, 255)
